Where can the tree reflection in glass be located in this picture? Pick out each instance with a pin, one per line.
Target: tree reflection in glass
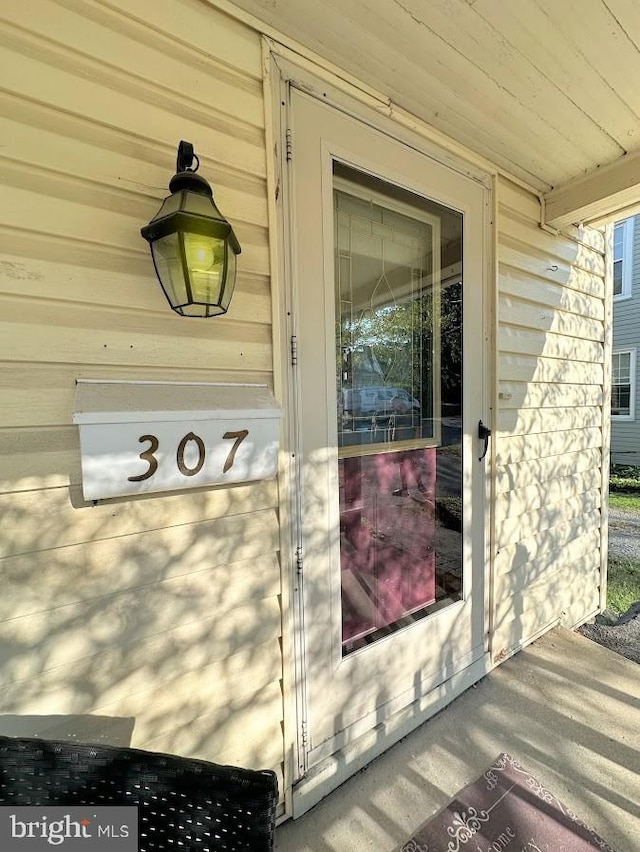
(390, 378)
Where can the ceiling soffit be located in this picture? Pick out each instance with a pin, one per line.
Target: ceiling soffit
(545, 90)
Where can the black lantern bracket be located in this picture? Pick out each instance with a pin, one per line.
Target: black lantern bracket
(185, 158)
(194, 248)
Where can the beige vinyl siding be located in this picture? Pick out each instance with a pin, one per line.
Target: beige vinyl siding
(551, 334)
(156, 616)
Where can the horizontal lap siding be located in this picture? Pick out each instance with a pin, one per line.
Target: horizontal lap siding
(548, 490)
(157, 619)
(625, 434)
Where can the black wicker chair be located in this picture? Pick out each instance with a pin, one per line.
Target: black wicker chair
(182, 804)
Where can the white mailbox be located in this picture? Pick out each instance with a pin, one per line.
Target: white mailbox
(142, 437)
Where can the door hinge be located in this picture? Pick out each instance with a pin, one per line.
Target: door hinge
(299, 559)
(289, 145)
(305, 734)
(294, 350)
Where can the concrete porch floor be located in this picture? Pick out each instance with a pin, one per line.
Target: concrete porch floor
(566, 708)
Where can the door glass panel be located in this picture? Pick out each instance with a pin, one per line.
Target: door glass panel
(398, 289)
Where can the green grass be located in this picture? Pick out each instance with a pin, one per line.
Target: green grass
(623, 583)
(628, 502)
(623, 580)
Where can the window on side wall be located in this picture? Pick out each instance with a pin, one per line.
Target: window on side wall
(622, 259)
(623, 385)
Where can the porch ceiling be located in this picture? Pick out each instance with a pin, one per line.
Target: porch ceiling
(546, 90)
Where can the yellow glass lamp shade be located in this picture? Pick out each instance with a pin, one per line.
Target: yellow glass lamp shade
(205, 260)
(193, 247)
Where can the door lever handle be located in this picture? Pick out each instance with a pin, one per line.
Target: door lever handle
(484, 433)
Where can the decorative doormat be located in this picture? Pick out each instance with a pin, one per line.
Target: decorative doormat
(506, 810)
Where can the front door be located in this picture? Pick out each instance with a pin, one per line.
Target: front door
(388, 296)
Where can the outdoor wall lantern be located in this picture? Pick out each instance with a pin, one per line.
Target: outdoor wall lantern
(193, 246)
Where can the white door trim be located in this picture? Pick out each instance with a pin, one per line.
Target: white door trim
(338, 767)
(280, 74)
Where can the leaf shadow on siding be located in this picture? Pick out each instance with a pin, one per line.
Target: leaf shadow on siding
(107, 730)
(152, 622)
(137, 610)
(548, 454)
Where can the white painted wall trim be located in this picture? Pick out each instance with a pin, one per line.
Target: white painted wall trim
(491, 324)
(606, 409)
(356, 755)
(401, 127)
(627, 226)
(604, 194)
(313, 74)
(279, 331)
(631, 351)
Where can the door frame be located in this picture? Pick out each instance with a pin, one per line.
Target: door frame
(285, 70)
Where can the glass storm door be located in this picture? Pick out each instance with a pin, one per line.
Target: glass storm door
(389, 387)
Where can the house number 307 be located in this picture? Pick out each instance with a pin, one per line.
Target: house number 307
(149, 457)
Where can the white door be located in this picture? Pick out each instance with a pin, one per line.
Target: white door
(388, 281)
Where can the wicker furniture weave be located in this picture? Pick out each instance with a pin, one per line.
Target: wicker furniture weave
(182, 804)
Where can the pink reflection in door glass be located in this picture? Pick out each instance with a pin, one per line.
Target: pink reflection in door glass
(387, 527)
